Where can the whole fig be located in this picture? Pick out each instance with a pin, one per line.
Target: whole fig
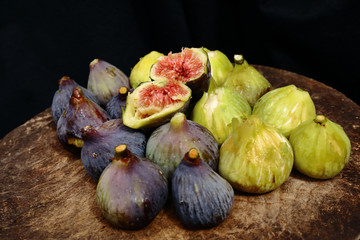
(100, 141)
(321, 148)
(131, 190)
(201, 197)
(168, 144)
(117, 104)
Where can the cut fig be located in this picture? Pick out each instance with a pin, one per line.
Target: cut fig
(191, 66)
(154, 103)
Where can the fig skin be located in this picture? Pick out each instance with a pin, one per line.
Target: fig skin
(62, 96)
(321, 148)
(100, 142)
(80, 113)
(285, 108)
(105, 80)
(256, 157)
(131, 190)
(154, 103)
(169, 142)
(201, 197)
(117, 104)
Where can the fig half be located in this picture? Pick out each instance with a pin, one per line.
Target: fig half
(153, 103)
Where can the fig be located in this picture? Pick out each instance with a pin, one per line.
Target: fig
(216, 109)
(105, 80)
(256, 158)
(168, 144)
(191, 66)
(141, 71)
(62, 96)
(131, 190)
(247, 80)
(201, 197)
(321, 148)
(117, 104)
(285, 108)
(80, 113)
(153, 103)
(220, 67)
(100, 141)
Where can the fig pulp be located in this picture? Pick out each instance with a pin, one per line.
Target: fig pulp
(105, 80)
(80, 113)
(216, 109)
(141, 71)
(247, 80)
(191, 66)
(62, 96)
(256, 158)
(117, 104)
(321, 148)
(131, 190)
(201, 197)
(168, 144)
(153, 103)
(285, 108)
(100, 141)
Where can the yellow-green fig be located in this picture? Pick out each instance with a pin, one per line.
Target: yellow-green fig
(141, 71)
(285, 108)
(220, 67)
(321, 148)
(216, 109)
(247, 80)
(256, 157)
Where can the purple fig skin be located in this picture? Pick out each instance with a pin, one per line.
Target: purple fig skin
(131, 190)
(81, 112)
(100, 142)
(62, 96)
(117, 104)
(201, 197)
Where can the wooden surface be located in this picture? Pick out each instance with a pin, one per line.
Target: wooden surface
(46, 194)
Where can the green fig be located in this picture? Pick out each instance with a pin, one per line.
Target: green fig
(247, 80)
(321, 148)
(220, 67)
(256, 158)
(141, 71)
(285, 108)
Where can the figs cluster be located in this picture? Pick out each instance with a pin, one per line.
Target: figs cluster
(190, 126)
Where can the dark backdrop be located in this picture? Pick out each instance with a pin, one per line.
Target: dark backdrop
(41, 41)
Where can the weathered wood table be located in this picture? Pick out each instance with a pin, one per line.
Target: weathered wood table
(45, 192)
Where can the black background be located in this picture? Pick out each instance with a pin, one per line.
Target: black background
(41, 41)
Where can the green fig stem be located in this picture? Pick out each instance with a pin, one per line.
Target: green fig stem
(123, 91)
(239, 59)
(122, 154)
(192, 157)
(178, 121)
(320, 119)
(93, 63)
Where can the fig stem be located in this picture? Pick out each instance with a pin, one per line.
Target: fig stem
(178, 120)
(122, 153)
(123, 91)
(94, 62)
(192, 157)
(320, 119)
(239, 59)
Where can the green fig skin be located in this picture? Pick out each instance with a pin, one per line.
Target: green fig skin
(321, 148)
(285, 108)
(220, 67)
(256, 157)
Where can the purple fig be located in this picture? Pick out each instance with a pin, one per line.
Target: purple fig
(62, 96)
(99, 144)
(80, 113)
(131, 190)
(117, 104)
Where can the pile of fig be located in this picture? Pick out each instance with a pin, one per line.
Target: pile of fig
(191, 127)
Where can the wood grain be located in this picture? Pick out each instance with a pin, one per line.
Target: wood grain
(46, 194)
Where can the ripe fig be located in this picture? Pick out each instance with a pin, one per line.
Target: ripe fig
(131, 190)
(191, 66)
(105, 80)
(100, 141)
(285, 108)
(321, 148)
(220, 67)
(141, 71)
(168, 144)
(62, 96)
(256, 158)
(117, 104)
(201, 197)
(80, 113)
(247, 80)
(153, 103)
(216, 109)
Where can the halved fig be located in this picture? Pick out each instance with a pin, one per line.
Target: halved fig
(190, 66)
(153, 103)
